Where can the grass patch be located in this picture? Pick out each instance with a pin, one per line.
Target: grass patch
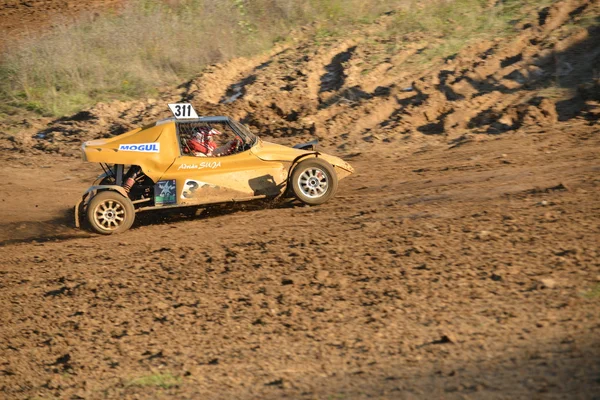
(452, 25)
(593, 293)
(151, 43)
(164, 380)
(556, 93)
(442, 28)
(454, 19)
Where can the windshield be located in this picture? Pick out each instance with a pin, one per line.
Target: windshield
(249, 137)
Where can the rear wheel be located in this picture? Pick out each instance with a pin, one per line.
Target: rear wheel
(314, 181)
(109, 212)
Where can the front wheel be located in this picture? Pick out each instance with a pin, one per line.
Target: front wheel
(314, 181)
(109, 212)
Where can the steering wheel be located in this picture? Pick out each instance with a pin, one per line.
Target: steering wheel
(239, 145)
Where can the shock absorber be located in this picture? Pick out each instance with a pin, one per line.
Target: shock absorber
(133, 173)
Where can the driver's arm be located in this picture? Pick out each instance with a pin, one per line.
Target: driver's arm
(228, 148)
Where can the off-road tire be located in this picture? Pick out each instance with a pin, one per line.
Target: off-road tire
(108, 212)
(314, 181)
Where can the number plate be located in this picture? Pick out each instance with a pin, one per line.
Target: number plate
(183, 110)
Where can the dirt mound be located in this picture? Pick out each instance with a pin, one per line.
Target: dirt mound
(542, 75)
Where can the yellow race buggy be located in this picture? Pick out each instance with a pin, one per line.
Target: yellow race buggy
(153, 168)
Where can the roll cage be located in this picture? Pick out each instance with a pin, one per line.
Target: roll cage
(184, 127)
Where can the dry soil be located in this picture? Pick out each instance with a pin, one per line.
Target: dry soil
(460, 261)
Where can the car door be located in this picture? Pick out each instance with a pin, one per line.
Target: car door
(202, 180)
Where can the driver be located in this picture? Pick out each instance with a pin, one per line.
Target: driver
(202, 143)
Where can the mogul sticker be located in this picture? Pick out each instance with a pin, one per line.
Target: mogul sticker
(191, 187)
(141, 147)
(202, 165)
(164, 193)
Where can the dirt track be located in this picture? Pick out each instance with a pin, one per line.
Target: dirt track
(452, 272)
(460, 261)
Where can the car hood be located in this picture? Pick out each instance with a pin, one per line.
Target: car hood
(275, 152)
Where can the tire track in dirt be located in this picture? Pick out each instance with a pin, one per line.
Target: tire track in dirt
(422, 262)
(225, 83)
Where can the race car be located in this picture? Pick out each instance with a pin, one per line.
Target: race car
(199, 162)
